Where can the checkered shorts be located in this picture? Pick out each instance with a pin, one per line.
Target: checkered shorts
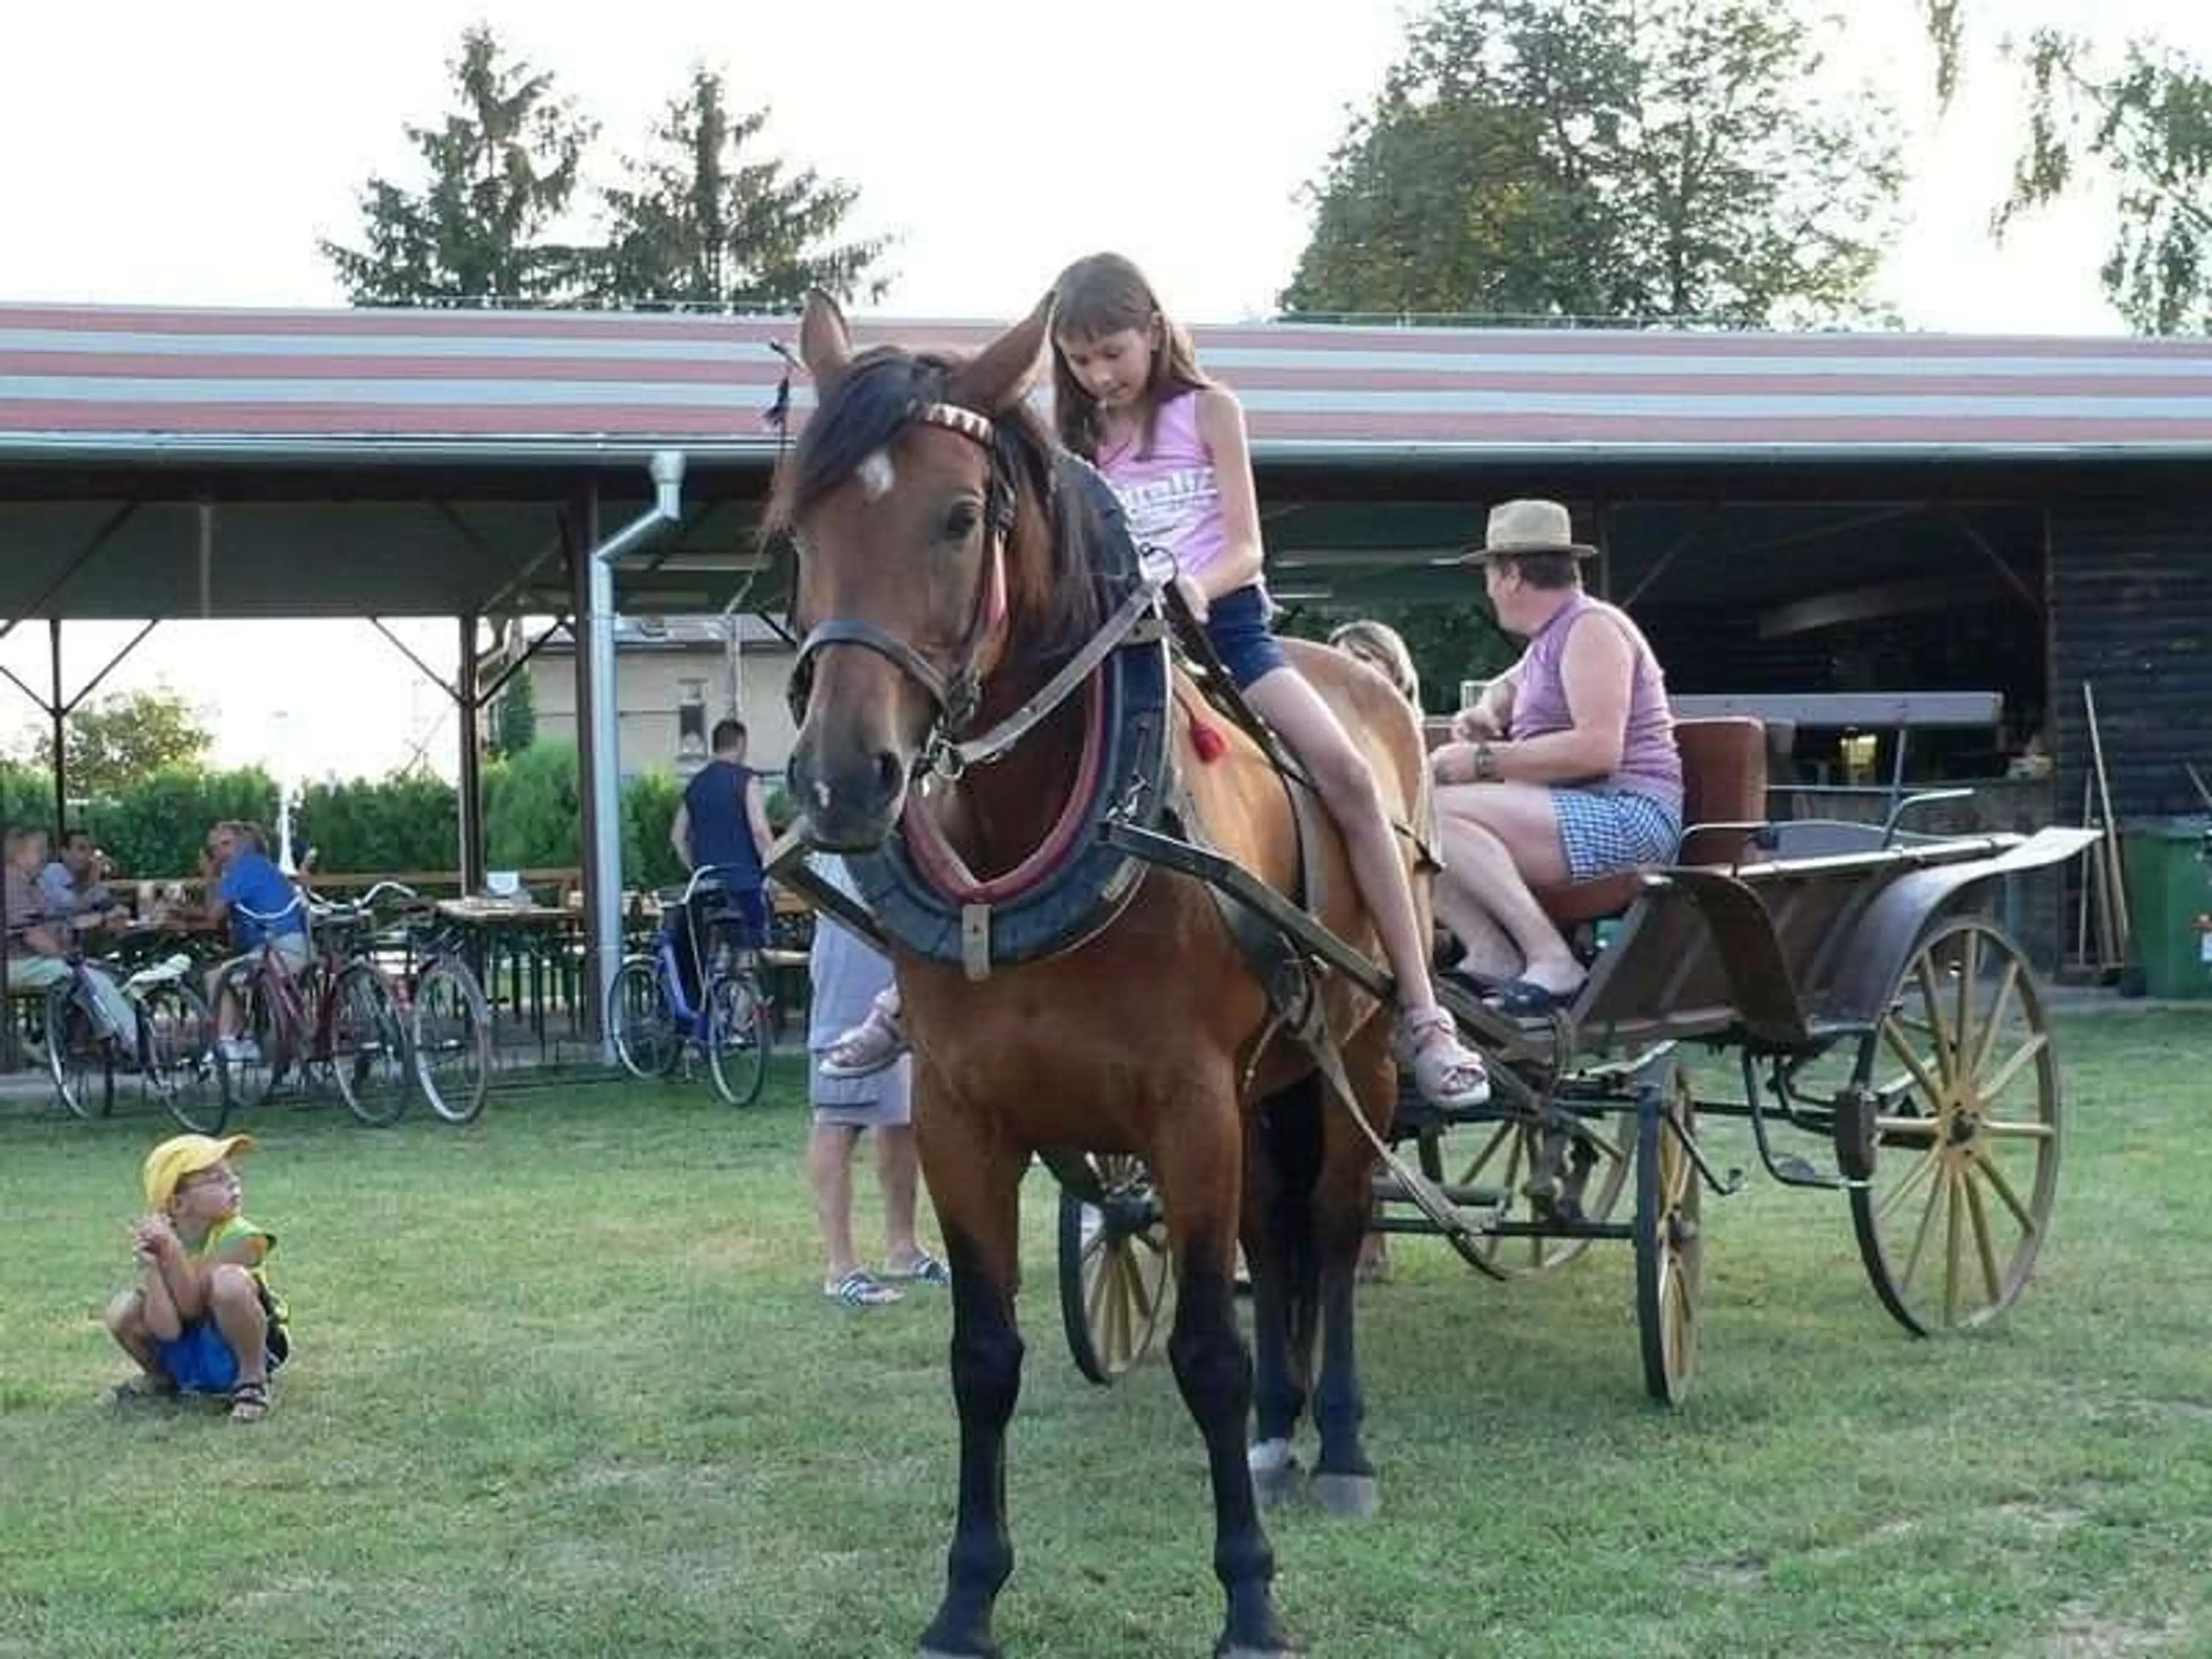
(1606, 831)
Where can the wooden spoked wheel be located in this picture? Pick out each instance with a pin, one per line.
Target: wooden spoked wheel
(1113, 1269)
(1508, 1154)
(1965, 1102)
(1670, 1249)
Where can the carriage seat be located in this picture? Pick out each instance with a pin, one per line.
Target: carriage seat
(1723, 785)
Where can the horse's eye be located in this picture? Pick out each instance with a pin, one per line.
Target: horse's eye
(960, 521)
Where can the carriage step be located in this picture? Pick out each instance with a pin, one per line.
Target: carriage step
(1416, 1116)
(1389, 1190)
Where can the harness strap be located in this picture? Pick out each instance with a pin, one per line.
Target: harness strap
(1288, 977)
(1123, 627)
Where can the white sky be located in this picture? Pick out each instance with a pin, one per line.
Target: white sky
(164, 153)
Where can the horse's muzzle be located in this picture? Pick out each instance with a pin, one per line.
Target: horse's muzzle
(849, 798)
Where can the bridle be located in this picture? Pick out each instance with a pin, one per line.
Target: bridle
(956, 693)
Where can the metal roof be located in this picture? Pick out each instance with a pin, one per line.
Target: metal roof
(480, 386)
(232, 462)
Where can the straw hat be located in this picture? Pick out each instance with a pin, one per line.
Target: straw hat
(1527, 526)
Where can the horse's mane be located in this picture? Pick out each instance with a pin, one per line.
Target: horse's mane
(1058, 604)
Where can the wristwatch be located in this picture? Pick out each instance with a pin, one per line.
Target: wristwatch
(1485, 763)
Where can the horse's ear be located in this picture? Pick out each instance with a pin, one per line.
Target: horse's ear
(825, 345)
(1000, 375)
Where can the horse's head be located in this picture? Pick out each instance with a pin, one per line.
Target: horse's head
(915, 498)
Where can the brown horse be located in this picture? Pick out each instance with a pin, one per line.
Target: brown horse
(943, 579)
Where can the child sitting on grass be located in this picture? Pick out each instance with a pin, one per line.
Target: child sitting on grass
(202, 1319)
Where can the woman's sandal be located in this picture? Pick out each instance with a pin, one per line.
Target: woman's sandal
(861, 1288)
(249, 1403)
(876, 1044)
(1447, 1073)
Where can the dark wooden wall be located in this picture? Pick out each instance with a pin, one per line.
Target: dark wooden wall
(2130, 612)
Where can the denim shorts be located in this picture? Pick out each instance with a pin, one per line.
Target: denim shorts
(1237, 624)
(1606, 830)
(199, 1361)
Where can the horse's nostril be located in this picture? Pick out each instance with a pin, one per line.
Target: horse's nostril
(887, 771)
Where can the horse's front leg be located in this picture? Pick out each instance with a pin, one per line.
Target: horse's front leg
(1198, 1167)
(974, 1185)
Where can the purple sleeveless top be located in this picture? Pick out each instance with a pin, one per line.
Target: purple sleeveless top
(1651, 764)
(1169, 497)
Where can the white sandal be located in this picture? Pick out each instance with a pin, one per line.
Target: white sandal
(1447, 1073)
(876, 1044)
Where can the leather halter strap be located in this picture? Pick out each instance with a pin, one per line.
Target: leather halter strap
(955, 693)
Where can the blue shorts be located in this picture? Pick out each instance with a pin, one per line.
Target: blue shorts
(201, 1362)
(1604, 832)
(1237, 624)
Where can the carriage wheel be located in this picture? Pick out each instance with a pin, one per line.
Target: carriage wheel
(1510, 1151)
(1670, 1248)
(1113, 1269)
(1964, 1133)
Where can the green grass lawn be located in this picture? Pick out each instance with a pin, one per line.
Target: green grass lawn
(566, 1385)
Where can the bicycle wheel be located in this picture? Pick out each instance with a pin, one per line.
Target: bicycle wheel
(452, 1035)
(259, 1053)
(642, 1022)
(737, 1033)
(369, 1045)
(82, 1064)
(177, 1043)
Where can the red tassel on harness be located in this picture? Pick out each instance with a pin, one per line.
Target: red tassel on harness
(1206, 742)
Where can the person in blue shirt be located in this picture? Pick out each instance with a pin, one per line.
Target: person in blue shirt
(265, 912)
(722, 826)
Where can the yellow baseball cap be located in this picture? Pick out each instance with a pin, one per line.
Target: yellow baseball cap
(184, 1155)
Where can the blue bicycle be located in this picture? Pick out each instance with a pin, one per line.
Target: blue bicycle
(698, 990)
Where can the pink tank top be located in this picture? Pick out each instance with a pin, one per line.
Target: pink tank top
(1651, 764)
(1171, 496)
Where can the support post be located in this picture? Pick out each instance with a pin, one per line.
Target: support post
(470, 775)
(583, 535)
(598, 723)
(59, 707)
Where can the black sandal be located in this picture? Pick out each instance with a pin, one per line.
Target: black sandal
(249, 1403)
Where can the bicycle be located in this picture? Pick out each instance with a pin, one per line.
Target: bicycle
(338, 1014)
(653, 1023)
(175, 1044)
(449, 1032)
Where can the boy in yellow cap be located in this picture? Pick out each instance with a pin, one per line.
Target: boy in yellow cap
(202, 1319)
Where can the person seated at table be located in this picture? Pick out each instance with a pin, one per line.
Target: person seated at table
(265, 913)
(722, 827)
(1565, 770)
(39, 943)
(72, 885)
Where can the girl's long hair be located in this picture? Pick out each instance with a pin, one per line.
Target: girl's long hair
(1100, 295)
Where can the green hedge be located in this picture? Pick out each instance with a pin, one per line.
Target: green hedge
(533, 818)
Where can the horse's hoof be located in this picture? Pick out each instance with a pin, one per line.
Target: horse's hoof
(1355, 1497)
(1255, 1653)
(989, 1652)
(1277, 1474)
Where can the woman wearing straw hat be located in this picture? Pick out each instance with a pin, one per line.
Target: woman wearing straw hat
(1566, 769)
